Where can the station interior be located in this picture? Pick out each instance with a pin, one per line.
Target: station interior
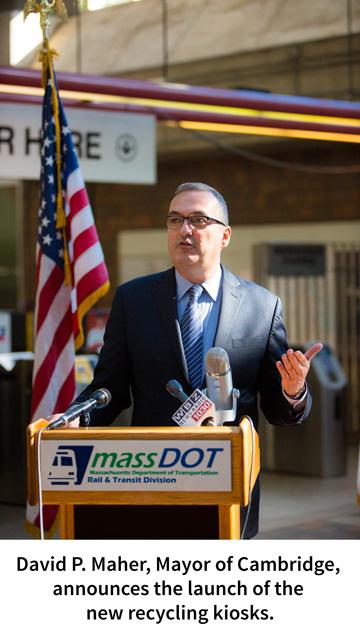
(292, 189)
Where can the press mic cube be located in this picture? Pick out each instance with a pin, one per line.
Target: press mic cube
(197, 410)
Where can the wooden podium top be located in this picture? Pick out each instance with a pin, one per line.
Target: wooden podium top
(110, 432)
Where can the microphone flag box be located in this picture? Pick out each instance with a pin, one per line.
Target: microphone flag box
(195, 410)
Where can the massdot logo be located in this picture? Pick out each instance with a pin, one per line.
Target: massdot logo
(169, 457)
(69, 464)
(126, 147)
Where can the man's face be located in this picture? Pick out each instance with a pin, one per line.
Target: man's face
(196, 253)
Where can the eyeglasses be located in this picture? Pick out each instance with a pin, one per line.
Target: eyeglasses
(174, 222)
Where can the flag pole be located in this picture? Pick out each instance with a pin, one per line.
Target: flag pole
(45, 7)
(71, 274)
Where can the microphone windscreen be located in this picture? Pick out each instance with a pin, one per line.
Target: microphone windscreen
(102, 396)
(217, 361)
(175, 389)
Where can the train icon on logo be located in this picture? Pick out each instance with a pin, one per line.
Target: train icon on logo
(69, 464)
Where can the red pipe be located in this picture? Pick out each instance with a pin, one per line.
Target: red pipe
(183, 93)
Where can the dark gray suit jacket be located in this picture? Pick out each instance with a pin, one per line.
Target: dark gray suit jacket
(142, 351)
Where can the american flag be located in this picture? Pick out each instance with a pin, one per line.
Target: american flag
(70, 273)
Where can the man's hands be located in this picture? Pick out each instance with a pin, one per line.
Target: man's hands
(294, 367)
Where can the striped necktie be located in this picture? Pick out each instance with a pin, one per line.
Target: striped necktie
(192, 336)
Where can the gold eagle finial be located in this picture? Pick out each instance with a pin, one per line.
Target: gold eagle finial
(30, 7)
(44, 7)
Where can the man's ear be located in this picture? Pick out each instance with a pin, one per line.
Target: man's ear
(226, 237)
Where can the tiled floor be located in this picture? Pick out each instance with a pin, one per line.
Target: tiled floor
(305, 507)
(292, 507)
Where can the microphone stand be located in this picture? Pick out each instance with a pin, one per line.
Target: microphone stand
(224, 416)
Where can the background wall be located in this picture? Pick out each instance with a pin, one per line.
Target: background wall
(255, 193)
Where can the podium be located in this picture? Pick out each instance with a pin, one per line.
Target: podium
(167, 466)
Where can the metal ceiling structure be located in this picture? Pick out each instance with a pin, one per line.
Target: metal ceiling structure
(194, 107)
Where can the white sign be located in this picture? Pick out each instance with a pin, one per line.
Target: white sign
(195, 410)
(111, 147)
(5, 332)
(136, 465)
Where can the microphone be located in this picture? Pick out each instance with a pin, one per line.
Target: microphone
(219, 385)
(98, 399)
(175, 389)
(196, 410)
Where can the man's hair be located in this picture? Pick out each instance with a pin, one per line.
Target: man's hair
(198, 186)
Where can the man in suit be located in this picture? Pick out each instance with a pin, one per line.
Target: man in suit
(144, 346)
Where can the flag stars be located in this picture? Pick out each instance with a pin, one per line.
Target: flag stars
(45, 222)
(47, 240)
(50, 179)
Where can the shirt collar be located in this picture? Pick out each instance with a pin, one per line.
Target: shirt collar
(211, 285)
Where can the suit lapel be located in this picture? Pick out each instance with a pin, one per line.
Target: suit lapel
(232, 298)
(164, 293)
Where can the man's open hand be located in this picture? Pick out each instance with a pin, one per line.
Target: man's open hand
(294, 367)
